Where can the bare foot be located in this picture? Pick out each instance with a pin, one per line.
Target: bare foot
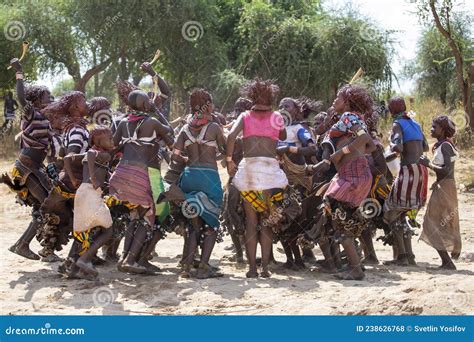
(265, 273)
(370, 261)
(132, 268)
(87, 267)
(401, 261)
(24, 251)
(205, 271)
(150, 268)
(51, 258)
(251, 274)
(355, 273)
(448, 266)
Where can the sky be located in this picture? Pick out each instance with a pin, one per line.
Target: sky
(395, 15)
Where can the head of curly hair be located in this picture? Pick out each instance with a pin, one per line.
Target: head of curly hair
(62, 106)
(307, 106)
(97, 132)
(97, 104)
(446, 124)
(243, 104)
(397, 105)
(34, 93)
(357, 98)
(200, 100)
(260, 92)
(124, 88)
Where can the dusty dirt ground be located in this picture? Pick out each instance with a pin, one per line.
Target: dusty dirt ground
(32, 287)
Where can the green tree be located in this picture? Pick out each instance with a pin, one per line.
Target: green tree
(441, 13)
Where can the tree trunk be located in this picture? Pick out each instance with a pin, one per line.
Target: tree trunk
(464, 84)
(80, 84)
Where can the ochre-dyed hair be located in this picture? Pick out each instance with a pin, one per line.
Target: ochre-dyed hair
(199, 100)
(446, 124)
(397, 105)
(61, 106)
(98, 103)
(260, 92)
(124, 88)
(357, 98)
(35, 92)
(96, 133)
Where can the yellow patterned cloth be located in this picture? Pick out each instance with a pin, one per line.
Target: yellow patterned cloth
(257, 199)
(112, 201)
(380, 188)
(63, 193)
(84, 238)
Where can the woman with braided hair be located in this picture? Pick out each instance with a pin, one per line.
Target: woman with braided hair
(258, 178)
(30, 179)
(353, 180)
(71, 109)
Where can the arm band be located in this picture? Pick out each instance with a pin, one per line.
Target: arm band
(229, 159)
(360, 132)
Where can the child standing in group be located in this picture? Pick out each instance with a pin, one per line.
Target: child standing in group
(90, 211)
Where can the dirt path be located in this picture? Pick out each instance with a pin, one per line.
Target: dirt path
(28, 287)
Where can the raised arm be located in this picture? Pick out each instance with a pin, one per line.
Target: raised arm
(20, 87)
(164, 89)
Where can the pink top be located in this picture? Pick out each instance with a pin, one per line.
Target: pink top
(262, 124)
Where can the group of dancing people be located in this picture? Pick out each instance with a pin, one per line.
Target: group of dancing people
(300, 183)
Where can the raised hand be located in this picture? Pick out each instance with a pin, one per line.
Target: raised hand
(15, 64)
(146, 67)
